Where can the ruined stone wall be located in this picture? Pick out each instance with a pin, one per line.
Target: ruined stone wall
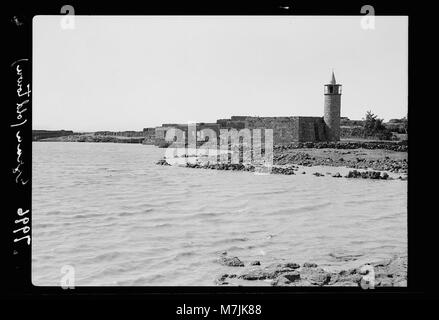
(285, 129)
(229, 123)
(149, 134)
(160, 134)
(311, 129)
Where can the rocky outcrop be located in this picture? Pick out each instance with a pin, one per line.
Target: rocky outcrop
(367, 175)
(222, 166)
(286, 170)
(307, 160)
(385, 145)
(103, 136)
(230, 261)
(47, 134)
(162, 162)
(114, 139)
(391, 272)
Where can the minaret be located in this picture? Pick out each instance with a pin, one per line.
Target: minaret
(332, 110)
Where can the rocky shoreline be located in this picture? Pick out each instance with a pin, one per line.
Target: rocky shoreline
(94, 138)
(372, 164)
(401, 146)
(386, 273)
(349, 159)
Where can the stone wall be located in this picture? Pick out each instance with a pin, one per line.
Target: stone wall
(160, 132)
(311, 129)
(149, 134)
(229, 123)
(285, 129)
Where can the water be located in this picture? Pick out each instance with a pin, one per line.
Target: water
(108, 211)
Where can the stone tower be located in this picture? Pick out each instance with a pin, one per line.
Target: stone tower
(332, 110)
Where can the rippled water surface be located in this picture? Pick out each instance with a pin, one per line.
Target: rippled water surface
(117, 218)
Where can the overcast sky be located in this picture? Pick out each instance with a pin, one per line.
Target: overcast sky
(127, 73)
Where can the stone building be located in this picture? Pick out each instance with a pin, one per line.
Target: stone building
(285, 129)
(149, 134)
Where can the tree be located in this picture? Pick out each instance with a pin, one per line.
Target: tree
(405, 124)
(374, 127)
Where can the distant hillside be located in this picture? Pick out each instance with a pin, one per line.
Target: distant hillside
(44, 134)
(99, 136)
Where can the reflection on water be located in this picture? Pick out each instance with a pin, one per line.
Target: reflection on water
(117, 218)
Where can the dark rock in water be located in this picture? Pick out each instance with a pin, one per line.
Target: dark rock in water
(286, 171)
(269, 272)
(231, 261)
(303, 172)
(255, 263)
(258, 274)
(221, 279)
(337, 175)
(291, 265)
(281, 282)
(292, 276)
(345, 278)
(318, 174)
(287, 279)
(163, 162)
(309, 265)
(316, 276)
(368, 175)
(389, 272)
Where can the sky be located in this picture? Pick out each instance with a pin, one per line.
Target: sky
(131, 72)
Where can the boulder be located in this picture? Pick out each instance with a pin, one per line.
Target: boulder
(291, 265)
(316, 276)
(309, 265)
(292, 276)
(231, 261)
